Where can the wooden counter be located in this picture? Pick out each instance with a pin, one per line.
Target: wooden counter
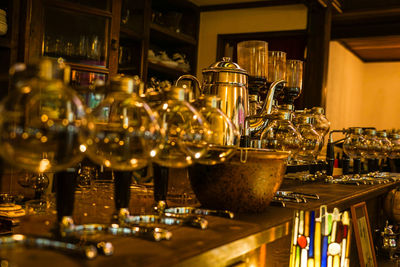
(222, 243)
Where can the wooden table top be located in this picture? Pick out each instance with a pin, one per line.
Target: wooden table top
(223, 240)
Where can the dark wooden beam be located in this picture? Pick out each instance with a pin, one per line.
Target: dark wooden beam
(319, 35)
(254, 4)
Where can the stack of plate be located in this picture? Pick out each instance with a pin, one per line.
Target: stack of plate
(3, 22)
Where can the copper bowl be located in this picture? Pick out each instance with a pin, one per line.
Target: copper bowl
(246, 183)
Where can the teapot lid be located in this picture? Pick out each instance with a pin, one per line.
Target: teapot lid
(225, 64)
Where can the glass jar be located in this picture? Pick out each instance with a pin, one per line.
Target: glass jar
(225, 138)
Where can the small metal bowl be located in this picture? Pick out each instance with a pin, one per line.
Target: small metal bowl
(246, 183)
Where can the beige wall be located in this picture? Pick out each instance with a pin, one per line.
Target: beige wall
(344, 87)
(279, 18)
(362, 94)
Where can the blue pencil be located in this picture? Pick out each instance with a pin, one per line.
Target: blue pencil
(312, 232)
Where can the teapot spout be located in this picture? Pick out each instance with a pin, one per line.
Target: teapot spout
(269, 99)
(259, 122)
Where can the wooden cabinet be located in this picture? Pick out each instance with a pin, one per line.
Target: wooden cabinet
(105, 37)
(8, 41)
(158, 38)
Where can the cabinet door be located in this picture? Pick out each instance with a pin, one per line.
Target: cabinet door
(80, 31)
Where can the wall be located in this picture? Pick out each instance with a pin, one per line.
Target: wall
(361, 94)
(278, 18)
(344, 87)
(380, 98)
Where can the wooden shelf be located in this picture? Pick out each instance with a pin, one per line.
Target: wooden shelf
(77, 66)
(175, 72)
(130, 34)
(167, 35)
(79, 8)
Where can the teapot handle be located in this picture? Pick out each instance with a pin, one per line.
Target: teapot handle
(193, 78)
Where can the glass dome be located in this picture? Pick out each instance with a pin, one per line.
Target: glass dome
(42, 119)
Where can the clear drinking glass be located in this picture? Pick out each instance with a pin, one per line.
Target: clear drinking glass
(253, 57)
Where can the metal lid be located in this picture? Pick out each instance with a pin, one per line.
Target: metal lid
(225, 65)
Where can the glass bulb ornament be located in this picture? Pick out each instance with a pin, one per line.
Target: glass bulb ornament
(385, 144)
(123, 131)
(355, 145)
(280, 134)
(224, 138)
(311, 142)
(186, 131)
(42, 119)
